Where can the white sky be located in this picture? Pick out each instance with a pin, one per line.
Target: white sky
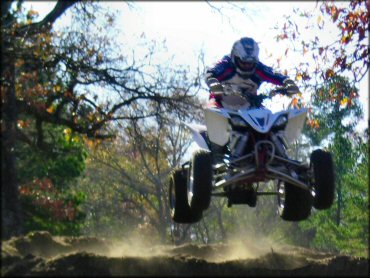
(189, 26)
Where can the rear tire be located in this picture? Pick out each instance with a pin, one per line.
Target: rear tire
(294, 203)
(324, 179)
(179, 207)
(199, 185)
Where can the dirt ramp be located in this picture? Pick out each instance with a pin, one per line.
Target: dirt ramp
(87, 264)
(44, 245)
(40, 254)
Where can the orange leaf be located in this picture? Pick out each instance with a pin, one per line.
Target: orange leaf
(50, 110)
(294, 102)
(298, 77)
(344, 101)
(329, 73)
(21, 124)
(334, 13)
(345, 39)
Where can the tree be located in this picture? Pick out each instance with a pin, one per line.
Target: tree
(347, 54)
(351, 235)
(76, 78)
(134, 169)
(12, 33)
(44, 179)
(336, 111)
(356, 199)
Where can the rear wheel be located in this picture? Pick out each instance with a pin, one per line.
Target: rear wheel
(199, 185)
(294, 203)
(179, 206)
(324, 179)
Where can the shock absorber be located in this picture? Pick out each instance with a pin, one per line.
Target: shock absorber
(238, 142)
(279, 145)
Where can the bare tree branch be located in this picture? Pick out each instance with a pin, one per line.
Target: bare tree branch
(49, 19)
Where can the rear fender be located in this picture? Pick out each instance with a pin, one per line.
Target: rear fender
(197, 131)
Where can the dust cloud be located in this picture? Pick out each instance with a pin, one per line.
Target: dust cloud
(41, 254)
(237, 248)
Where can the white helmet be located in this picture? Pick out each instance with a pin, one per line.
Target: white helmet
(244, 55)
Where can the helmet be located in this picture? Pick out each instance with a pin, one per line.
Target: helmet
(244, 55)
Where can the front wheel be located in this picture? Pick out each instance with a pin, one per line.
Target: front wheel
(294, 203)
(179, 207)
(324, 179)
(199, 185)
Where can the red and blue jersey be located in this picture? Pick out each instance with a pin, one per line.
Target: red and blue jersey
(225, 72)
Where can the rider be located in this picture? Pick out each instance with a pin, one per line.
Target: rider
(243, 69)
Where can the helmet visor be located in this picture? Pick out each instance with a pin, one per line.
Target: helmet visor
(246, 66)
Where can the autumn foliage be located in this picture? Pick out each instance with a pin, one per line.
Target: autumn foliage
(43, 194)
(353, 23)
(347, 54)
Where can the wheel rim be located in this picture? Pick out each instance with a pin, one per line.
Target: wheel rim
(281, 196)
(190, 185)
(313, 181)
(172, 196)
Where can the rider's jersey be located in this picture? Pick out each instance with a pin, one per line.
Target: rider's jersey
(224, 71)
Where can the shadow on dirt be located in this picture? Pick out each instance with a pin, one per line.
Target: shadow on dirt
(40, 253)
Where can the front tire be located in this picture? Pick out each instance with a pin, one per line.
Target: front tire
(324, 179)
(294, 203)
(199, 185)
(179, 207)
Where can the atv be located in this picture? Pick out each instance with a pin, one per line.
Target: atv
(252, 144)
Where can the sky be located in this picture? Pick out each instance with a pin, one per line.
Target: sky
(191, 26)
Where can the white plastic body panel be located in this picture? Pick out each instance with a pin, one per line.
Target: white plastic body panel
(260, 119)
(196, 130)
(217, 125)
(294, 127)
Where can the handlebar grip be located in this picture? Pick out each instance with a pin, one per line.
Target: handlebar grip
(279, 90)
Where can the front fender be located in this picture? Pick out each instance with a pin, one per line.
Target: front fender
(295, 124)
(217, 125)
(197, 136)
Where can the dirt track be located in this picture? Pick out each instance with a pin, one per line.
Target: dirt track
(41, 254)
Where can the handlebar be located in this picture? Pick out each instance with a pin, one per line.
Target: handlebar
(254, 100)
(273, 92)
(278, 90)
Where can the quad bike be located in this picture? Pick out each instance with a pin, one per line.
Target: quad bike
(253, 143)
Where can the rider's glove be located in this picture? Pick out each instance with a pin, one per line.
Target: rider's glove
(215, 87)
(290, 87)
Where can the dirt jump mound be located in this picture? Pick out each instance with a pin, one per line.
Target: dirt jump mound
(39, 254)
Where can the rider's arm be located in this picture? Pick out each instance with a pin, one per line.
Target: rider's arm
(266, 73)
(222, 70)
